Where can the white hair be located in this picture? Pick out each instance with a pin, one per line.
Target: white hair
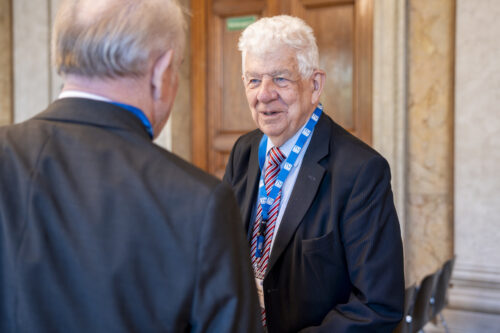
(271, 33)
(115, 38)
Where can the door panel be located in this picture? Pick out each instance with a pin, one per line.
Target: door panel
(344, 33)
(235, 113)
(228, 113)
(334, 30)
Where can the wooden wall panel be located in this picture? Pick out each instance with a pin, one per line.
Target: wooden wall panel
(344, 33)
(363, 69)
(229, 115)
(198, 83)
(334, 29)
(235, 112)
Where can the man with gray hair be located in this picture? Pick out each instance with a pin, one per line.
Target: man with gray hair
(317, 202)
(100, 229)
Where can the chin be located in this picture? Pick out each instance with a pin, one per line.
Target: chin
(272, 133)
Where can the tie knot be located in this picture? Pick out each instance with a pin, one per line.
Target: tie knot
(276, 157)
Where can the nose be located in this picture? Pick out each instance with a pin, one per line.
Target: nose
(267, 91)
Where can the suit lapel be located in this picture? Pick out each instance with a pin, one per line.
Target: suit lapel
(252, 187)
(305, 188)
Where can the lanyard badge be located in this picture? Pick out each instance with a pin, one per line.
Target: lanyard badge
(265, 200)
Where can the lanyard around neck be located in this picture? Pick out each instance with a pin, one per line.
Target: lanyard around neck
(265, 200)
(139, 114)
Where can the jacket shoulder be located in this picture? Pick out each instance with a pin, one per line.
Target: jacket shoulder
(242, 148)
(343, 142)
(246, 141)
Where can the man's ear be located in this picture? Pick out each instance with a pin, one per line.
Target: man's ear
(318, 81)
(159, 68)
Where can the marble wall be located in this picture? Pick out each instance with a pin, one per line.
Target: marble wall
(35, 84)
(5, 63)
(429, 225)
(477, 157)
(389, 94)
(453, 183)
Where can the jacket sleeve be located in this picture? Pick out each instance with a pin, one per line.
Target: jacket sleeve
(373, 249)
(225, 294)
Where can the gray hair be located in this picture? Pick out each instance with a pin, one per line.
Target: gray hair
(270, 33)
(115, 38)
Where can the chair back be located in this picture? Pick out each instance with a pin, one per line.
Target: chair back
(440, 295)
(405, 324)
(422, 309)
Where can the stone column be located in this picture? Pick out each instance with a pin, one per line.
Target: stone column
(5, 62)
(476, 278)
(429, 225)
(389, 94)
(31, 63)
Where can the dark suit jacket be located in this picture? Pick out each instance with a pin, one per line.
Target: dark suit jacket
(103, 231)
(337, 261)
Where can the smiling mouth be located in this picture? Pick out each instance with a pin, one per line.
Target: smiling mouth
(269, 113)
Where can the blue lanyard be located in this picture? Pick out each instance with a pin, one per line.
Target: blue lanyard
(265, 200)
(139, 114)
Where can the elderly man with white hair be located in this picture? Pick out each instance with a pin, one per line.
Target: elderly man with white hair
(316, 202)
(100, 229)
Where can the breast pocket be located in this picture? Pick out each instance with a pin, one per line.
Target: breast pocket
(319, 270)
(319, 244)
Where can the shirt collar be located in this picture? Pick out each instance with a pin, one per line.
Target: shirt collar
(136, 111)
(286, 148)
(82, 94)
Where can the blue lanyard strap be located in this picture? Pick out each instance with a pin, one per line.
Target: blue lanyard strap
(139, 114)
(266, 201)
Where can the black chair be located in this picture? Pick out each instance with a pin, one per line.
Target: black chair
(423, 307)
(440, 299)
(405, 324)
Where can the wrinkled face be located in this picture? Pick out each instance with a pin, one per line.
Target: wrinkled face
(280, 100)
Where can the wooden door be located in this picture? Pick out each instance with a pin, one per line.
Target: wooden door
(343, 30)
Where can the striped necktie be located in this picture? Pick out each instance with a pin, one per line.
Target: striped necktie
(276, 157)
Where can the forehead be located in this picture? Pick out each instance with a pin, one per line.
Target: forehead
(282, 60)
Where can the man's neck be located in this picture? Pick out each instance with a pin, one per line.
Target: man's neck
(122, 90)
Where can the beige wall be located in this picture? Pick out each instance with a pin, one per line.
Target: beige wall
(477, 158)
(413, 123)
(5, 63)
(429, 225)
(34, 81)
(389, 94)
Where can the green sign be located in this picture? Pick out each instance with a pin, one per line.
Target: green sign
(240, 22)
